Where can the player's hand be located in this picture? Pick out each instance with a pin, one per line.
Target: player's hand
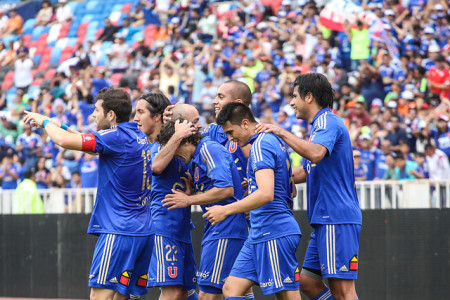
(244, 184)
(264, 127)
(34, 119)
(247, 215)
(188, 182)
(184, 129)
(216, 214)
(176, 200)
(167, 113)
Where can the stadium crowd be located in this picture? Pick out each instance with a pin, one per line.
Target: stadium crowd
(392, 91)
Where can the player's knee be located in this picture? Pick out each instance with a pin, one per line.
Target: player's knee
(310, 286)
(172, 292)
(99, 294)
(227, 290)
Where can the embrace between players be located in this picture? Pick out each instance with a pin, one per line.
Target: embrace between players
(151, 172)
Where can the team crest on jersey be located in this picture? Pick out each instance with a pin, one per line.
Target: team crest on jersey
(354, 263)
(125, 278)
(232, 147)
(173, 272)
(142, 281)
(196, 176)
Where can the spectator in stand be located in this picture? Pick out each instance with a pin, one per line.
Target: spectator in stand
(390, 173)
(45, 14)
(368, 155)
(9, 171)
(118, 55)
(380, 162)
(169, 76)
(89, 171)
(42, 175)
(109, 32)
(14, 24)
(441, 134)
(360, 42)
(359, 114)
(3, 20)
(437, 162)
(3, 52)
(64, 13)
(404, 167)
(439, 78)
(28, 146)
(360, 172)
(26, 197)
(422, 170)
(207, 95)
(396, 133)
(23, 65)
(207, 26)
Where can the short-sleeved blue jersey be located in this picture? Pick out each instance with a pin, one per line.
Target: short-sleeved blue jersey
(213, 166)
(275, 219)
(330, 184)
(216, 133)
(123, 194)
(174, 223)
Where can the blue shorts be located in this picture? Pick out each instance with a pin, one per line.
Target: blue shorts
(173, 263)
(121, 263)
(217, 259)
(272, 264)
(333, 250)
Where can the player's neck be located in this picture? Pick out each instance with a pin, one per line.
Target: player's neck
(154, 134)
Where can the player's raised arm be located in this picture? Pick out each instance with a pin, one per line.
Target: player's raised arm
(59, 134)
(181, 200)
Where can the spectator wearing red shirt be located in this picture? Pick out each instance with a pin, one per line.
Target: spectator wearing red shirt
(439, 78)
(359, 115)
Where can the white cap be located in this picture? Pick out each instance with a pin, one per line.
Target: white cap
(429, 30)
(364, 136)
(408, 95)
(438, 7)
(286, 2)
(392, 104)
(434, 48)
(389, 12)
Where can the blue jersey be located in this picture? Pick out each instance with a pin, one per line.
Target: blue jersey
(8, 183)
(174, 223)
(368, 162)
(216, 133)
(212, 166)
(123, 194)
(274, 219)
(330, 184)
(442, 140)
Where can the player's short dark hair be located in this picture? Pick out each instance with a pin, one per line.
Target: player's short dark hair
(235, 112)
(317, 85)
(241, 91)
(117, 100)
(156, 102)
(168, 129)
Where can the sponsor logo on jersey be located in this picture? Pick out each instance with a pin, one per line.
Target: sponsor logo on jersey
(142, 281)
(125, 278)
(203, 274)
(196, 176)
(266, 284)
(343, 268)
(173, 272)
(354, 263)
(297, 275)
(287, 280)
(91, 276)
(114, 280)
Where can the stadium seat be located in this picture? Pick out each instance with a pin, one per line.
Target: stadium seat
(115, 78)
(26, 38)
(56, 54)
(37, 81)
(92, 6)
(43, 65)
(87, 19)
(64, 57)
(36, 59)
(117, 7)
(54, 32)
(82, 29)
(126, 7)
(7, 84)
(9, 76)
(28, 26)
(50, 74)
(99, 33)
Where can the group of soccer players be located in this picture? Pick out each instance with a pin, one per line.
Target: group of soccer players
(153, 169)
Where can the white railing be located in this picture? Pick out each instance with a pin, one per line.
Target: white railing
(371, 195)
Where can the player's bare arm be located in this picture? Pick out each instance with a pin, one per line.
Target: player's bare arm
(265, 179)
(166, 154)
(298, 175)
(63, 138)
(181, 200)
(311, 151)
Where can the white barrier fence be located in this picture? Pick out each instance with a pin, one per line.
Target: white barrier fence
(371, 195)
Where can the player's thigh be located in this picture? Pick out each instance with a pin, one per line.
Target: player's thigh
(167, 266)
(338, 247)
(216, 262)
(277, 265)
(208, 296)
(342, 288)
(121, 263)
(171, 292)
(236, 286)
(101, 294)
(288, 295)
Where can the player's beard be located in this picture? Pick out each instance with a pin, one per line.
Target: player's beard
(103, 124)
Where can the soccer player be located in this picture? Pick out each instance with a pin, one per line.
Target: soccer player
(333, 208)
(216, 182)
(121, 215)
(268, 257)
(172, 266)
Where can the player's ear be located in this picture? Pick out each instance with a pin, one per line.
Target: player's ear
(111, 115)
(244, 124)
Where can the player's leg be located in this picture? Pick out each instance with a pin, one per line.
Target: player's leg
(189, 274)
(236, 286)
(342, 251)
(311, 280)
(167, 268)
(343, 289)
(217, 259)
(101, 294)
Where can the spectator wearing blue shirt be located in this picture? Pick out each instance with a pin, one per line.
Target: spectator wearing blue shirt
(360, 172)
(441, 135)
(403, 167)
(89, 171)
(9, 172)
(422, 171)
(29, 145)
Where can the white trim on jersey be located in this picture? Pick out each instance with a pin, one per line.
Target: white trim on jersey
(257, 148)
(160, 267)
(207, 157)
(106, 258)
(218, 262)
(275, 263)
(325, 296)
(322, 121)
(331, 249)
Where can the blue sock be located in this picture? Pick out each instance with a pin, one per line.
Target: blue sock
(249, 296)
(324, 295)
(192, 295)
(235, 298)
